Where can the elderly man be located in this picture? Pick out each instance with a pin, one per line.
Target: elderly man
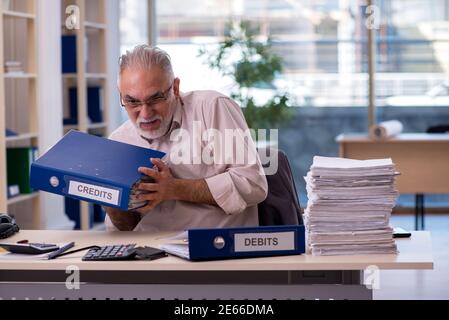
(183, 194)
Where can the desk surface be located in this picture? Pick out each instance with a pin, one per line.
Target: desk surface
(422, 159)
(415, 253)
(405, 137)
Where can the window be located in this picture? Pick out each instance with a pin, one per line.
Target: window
(413, 46)
(322, 42)
(133, 23)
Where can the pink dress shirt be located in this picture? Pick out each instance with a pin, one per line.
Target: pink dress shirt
(237, 186)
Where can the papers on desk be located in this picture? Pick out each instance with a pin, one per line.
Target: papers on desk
(180, 249)
(349, 207)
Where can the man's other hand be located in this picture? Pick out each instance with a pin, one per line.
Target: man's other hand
(162, 189)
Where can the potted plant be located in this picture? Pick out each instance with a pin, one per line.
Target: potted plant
(252, 65)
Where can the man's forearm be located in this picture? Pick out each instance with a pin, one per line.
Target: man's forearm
(196, 191)
(123, 220)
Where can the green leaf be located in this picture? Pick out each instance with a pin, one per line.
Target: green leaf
(257, 63)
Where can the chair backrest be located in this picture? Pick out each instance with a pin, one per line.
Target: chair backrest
(281, 207)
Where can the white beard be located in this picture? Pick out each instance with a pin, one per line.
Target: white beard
(163, 128)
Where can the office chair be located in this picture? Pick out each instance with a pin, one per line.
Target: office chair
(281, 207)
(419, 198)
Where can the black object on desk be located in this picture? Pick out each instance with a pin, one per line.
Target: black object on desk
(8, 226)
(123, 252)
(29, 248)
(401, 233)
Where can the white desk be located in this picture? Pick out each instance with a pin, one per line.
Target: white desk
(284, 277)
(422, 160)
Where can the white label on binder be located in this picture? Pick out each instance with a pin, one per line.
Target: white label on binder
(14, 190)
(93, 192)
(247, 242)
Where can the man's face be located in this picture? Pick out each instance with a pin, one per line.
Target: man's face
(149, 99)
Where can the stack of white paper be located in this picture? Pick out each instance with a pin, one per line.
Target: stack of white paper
(349, 207)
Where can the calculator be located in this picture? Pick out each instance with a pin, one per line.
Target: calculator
(123, 252)
(108, 253)
(29, 248)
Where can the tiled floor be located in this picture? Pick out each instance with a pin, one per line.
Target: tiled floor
(420, 285)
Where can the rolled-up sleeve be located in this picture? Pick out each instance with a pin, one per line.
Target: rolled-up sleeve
(241, 185)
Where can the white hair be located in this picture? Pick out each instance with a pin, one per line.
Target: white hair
(145, 57)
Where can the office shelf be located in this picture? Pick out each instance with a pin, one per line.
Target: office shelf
(22, 137)
(95, 25)
(94, 126)
(18, 75)
(96, 76)
(23, 198)
(18, 14)
(19, 103)
(70, 127)
(100, 76)
(69, 75)
(22, 111)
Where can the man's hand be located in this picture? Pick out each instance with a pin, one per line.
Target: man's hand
(123, 220)
(166, 187)
(162, 189)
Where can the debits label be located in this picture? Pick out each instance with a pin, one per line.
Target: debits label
(247, 242)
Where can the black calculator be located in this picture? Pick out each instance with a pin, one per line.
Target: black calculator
(29, 248)
(123, 252)
(109, 253)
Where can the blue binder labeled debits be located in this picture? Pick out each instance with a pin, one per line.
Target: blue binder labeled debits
(92, 169)
(229, 243)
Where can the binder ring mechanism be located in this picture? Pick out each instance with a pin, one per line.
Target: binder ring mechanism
(219, 243)
(54, 182)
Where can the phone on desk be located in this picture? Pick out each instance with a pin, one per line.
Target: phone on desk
(401, 233)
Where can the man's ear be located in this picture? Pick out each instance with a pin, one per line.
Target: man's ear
(176, 85)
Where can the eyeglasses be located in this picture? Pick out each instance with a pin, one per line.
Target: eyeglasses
(136, 105)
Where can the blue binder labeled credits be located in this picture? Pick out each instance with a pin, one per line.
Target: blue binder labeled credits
(229, 243)
(93, 169)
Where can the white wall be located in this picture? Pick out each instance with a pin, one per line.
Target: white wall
(113, 49)
(50, 101)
